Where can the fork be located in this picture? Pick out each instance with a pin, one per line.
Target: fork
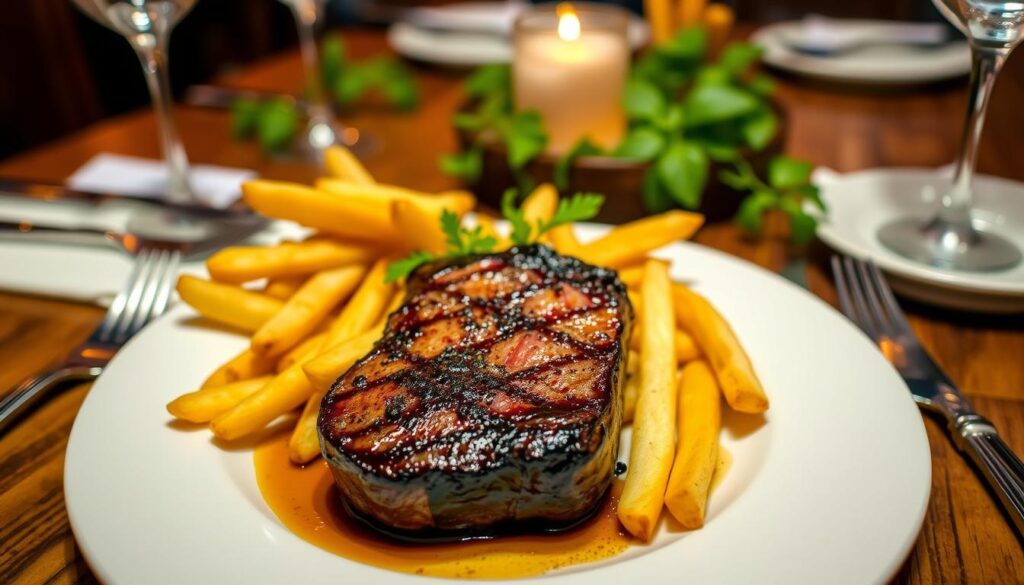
(144, 297)
(866, 299)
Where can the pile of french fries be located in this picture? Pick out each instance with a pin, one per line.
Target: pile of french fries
(312, 308)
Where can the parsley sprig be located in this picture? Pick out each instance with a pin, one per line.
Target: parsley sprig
(462, 240)
(580, 207)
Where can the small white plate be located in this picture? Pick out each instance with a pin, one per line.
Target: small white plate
(889, 64)
(831, 487)
(860, 203)
(481, 34)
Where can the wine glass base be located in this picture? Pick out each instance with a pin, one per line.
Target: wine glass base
(949, 246)
(320, 134)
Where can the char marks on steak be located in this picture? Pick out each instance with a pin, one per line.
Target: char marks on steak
(493, 397)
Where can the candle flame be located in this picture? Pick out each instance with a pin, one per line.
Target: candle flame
(568, 22)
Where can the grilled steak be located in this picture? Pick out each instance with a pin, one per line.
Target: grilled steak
(493, 398)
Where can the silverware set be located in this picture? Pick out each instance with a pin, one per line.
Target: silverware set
(865, 298)
(145, 297)
(158, 236)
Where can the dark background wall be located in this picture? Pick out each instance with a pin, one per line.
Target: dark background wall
(60, 71)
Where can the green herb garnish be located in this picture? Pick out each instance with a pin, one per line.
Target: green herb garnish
(788, 187)
(462, 241)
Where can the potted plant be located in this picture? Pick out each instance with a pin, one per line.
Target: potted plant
(702, 134)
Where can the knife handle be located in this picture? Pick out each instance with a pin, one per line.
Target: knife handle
(997, 462)
(31, 390)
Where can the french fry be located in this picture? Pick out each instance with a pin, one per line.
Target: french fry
(689, 13)
(718, 21)
(650, 458)
(244, 263)
(460, 202)
(228, 304)
(487, 228)
(659, 16)
(563, 239)
(282, 393)
(700, 420)
(283, 288)
(629, 243)
(717, 341)
(363, 309)
(302, 352)
(397, 298)
(304, 446)
(686, 347)
(341, 163)
(631, 386)
(291, 387)
(208, 403)
(636, 301)
(631, 276)
(305, 309)
(324, 369)
(419, 226)
(241, 367)
(355, 217)
(540, 204)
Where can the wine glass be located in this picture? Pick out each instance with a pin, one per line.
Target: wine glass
(323, 129)
(147, 25)
(950, 239)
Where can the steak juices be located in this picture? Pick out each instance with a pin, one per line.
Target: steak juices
(493, 399)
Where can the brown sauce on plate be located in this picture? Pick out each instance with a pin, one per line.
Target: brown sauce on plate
(305, 500)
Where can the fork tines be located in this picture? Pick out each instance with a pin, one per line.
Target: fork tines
(866, 299)
(144, 296)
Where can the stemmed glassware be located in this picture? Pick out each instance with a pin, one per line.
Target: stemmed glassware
(147, 25)
(951, 239)
(323, 129)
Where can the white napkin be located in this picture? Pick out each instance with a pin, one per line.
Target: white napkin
(145, 178)
(95, 274)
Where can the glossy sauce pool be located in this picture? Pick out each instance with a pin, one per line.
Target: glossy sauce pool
(305, 501)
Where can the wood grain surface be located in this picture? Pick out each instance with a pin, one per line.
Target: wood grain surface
(965, 538)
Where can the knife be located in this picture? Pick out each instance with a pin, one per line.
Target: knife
(56, 192)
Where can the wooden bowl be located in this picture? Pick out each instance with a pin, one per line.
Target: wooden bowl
(620, 181)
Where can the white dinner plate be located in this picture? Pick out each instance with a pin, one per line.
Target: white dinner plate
(862, 202)
(888, 64)
(830, 487)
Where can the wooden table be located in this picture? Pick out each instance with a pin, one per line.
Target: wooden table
(965, 537)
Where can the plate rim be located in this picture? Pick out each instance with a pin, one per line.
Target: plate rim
(765, 37)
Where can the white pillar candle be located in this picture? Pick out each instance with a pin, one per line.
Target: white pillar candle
(571, 66)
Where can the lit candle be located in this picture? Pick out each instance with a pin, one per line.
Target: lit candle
(570, 65)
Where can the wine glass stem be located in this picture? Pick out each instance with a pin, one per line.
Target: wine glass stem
(306, 14)
(152, 53)
(956, 204)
